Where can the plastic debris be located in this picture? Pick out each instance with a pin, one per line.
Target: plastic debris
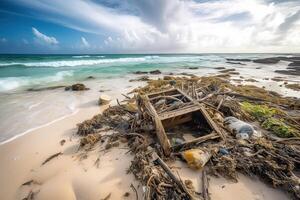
(196, 158)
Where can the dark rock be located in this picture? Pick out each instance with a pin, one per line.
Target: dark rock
(235, 63)
(295, 63)
(193, 67)
(220, 68)
(226, 70)
(140, 72)
(251, 80)
(291, 70)
(239, 60)
(90, 77)
(142, 78)
(155, 72)
(267, 60)
(77, 87)
(45, 88)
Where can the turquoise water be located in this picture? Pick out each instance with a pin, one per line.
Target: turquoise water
(23, 71)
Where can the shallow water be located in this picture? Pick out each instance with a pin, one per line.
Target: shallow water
(22, 110)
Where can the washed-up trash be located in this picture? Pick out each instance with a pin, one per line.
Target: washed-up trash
(196, 158)
(238, 127)
(131, 107)
(177, 141)
(224, 151)
(104, 99)
(242, 136)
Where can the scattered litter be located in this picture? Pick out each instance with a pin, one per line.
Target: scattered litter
(196, 158)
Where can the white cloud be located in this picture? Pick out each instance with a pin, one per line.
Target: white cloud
(44, 38)
(182, 25)
(85, 42)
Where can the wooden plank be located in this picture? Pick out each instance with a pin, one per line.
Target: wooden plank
(178, 112)
(198, 140)
(160, 131)
(177, 120)
(161, 92)
(175, 179)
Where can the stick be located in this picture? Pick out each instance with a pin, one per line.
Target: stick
(51, 157)
(136, 193)
(204, 185)
(126, 96)
(172, 175)
(220, 104)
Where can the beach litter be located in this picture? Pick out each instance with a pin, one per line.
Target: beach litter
(206, 122)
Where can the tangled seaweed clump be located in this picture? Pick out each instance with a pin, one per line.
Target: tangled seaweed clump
(271, 119)
(279, 127)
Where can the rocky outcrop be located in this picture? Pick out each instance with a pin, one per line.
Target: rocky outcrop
(155, 72)
(295, 64)
(76, 87)
(273, 60)
(238, 60)
(235, 63)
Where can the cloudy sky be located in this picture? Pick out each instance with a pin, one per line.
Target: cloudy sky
(149, 26)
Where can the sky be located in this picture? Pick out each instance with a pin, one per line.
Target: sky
(149, 26)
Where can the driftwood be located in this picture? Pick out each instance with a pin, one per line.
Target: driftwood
(179, 183)
(205, 193)
(51, 157)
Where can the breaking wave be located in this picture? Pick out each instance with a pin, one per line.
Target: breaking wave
(11, 83)
(74, 63)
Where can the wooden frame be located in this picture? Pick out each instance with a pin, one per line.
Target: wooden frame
(177, 116)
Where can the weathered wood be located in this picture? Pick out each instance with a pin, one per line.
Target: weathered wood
(151, 95)
(205, 185)
(179, 183)
(206, 115)
(177, 120)
(160, 131)
(198, 140)
(178, 112)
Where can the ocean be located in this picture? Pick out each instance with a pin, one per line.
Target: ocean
(23, 109)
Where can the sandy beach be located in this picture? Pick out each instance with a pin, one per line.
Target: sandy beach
(71, 176)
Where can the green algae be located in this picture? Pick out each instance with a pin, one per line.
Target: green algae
(269, 119)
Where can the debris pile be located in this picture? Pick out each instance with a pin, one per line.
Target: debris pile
(211, 124)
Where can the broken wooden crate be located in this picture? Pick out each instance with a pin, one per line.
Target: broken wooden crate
(173, 107)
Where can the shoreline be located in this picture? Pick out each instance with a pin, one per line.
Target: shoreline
(36, 128)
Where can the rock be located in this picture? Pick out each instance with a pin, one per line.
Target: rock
(77, 87)
(104, 99)
(226, 70)
(235, 63)
(220, 68)
(294, 86)
(45, 88)
(295, 63)
(62, 142)
(240, 60)
(155, 72)
(251, 80)
(140, 72)
(267, 60)
(90, 77)
(193, 67)
(142, 78)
